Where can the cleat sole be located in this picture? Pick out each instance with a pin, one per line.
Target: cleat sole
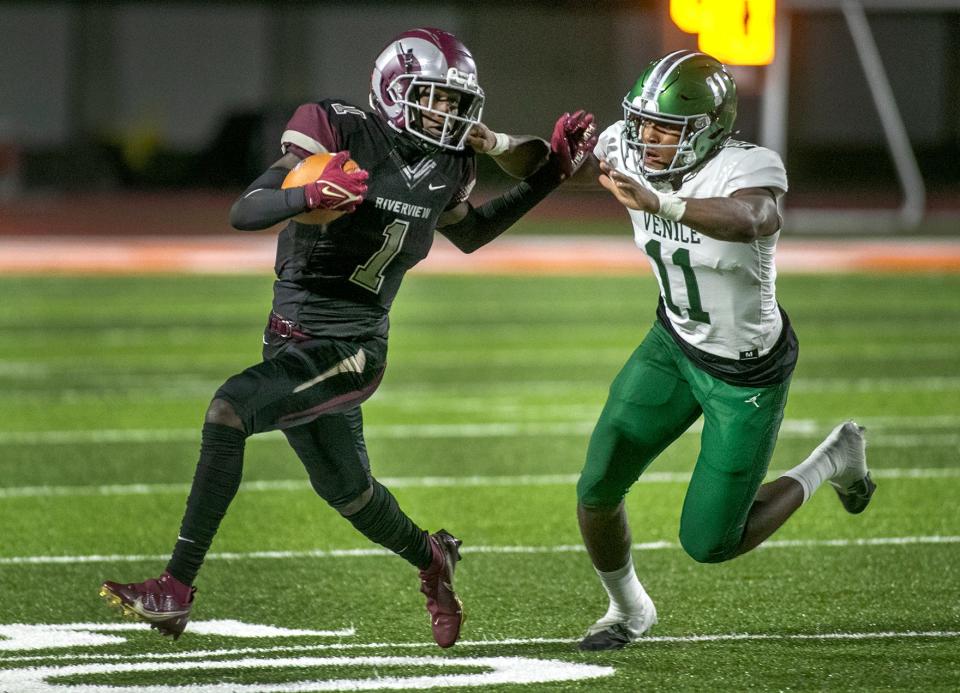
(112, 600)
(858, 497)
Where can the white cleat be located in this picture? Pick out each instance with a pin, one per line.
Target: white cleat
(616, 632)
(847, 448)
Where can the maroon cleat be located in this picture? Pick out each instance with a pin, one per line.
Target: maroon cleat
(163, 602)
(446, 610)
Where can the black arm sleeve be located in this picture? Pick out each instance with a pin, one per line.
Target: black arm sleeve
(264, 203)
(484, 223)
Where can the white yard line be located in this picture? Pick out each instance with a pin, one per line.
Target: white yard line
(505, 642)
(476, 481)
(465, 397)
(790, 428)
(496, 550)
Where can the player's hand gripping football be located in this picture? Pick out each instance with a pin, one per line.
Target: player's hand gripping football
(574, 137)
(628, 192)
(337, 189)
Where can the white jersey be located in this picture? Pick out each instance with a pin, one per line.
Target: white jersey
(720, 295)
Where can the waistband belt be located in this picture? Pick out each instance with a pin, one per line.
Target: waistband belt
(287, 329)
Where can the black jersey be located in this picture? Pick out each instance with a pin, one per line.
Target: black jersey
(340, 280)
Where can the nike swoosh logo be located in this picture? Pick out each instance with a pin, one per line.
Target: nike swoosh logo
(330, 191)
(144, 611)
(431, 186)
(334, 191)
(351, 364)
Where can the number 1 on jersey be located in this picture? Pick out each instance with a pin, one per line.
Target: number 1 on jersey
(369, 275)
(681, 258)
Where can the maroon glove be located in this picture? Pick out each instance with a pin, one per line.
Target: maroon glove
(336, 188)
(574, 137)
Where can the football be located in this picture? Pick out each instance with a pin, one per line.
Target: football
(307, 171)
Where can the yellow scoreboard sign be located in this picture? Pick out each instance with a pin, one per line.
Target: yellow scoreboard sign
(736, 32)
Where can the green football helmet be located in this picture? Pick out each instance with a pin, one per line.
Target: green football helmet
(684, 89)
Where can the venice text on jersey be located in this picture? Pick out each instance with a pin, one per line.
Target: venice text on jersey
(672, 230)
(407, 210)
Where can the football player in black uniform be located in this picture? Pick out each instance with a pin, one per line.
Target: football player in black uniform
(325, 344)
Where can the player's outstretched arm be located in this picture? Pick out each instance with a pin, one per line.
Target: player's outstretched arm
(469, 227)
(518, 155)
(265, 203)
(743, 217)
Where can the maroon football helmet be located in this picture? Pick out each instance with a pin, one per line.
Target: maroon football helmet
(415, 72)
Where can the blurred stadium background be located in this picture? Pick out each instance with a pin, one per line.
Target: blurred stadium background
(148, 117)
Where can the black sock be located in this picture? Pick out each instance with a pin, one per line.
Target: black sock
(215, 483)
(381, 520)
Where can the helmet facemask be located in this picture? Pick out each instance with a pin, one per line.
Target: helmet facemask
(696, 139)
(419, 97)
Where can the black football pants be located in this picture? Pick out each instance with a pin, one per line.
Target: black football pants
(312, 391)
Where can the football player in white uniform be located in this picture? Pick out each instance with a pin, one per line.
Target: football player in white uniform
(704, 210)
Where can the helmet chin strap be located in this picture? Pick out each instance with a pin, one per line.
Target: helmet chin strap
(676, 180)
(413, 133)
(412, 147)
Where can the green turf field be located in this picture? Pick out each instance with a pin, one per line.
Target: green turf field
(480, 427)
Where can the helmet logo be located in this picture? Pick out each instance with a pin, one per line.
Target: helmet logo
(718, 88)
(406, 57)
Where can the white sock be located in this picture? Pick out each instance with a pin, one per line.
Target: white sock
(813, 471)
(624, 589)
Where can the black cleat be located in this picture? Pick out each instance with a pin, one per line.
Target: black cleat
(856, 497)
(614, 637)
(614, 632)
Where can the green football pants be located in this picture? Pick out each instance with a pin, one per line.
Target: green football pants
(657, 395)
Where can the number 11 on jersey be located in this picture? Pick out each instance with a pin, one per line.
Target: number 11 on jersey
(680, 258)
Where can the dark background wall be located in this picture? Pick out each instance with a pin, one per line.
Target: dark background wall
(161, 93)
